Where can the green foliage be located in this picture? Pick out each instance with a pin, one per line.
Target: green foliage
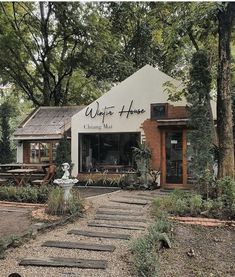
(200, 115)
(206, 184)
(220, 205)
(144, 258)
(57, 206)
(5, 143)
(2, 249)
(55, 202)
(144, 249)
(226, 188)
(75, 204)
(142, 156)
(195, 203)
(26, 194)
(141, 152)
(208, 204)
(63, 155)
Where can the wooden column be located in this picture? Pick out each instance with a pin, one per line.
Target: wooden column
(184, 142)
(163, 157)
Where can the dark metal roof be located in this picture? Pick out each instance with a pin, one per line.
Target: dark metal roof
(47, 122)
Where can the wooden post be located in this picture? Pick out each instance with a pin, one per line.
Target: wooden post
(184, 157)
(163, 158)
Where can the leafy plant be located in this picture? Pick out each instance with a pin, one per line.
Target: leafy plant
(144, 249)
(199, 110)
(181, 206)
(144, 258)
(57, 206)
(55, 202)
(195, 203)
(2, 249)
(75, 204)
(27, 194)
(63, 155)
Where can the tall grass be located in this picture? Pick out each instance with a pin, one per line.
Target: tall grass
(144, 249)
(57, 206)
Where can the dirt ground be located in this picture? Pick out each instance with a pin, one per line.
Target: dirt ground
(214, 250)
(14, 221)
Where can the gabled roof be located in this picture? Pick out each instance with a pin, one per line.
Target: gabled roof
(47, 122)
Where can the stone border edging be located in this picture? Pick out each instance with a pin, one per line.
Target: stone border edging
(208, 222)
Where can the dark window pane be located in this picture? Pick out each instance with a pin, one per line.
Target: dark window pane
(158, 111)
(174, 157)
(107, 151)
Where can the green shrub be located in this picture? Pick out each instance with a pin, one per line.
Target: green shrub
(144, 258)
(56, 205)
(55, 202)
(144, 249)
(195, 203)
(207, 185)
(43, 193)
(162, 204)
(75, 204)
(175, 203)
(2, 249)
(27, 194)
(218, 206)
(208, 205)
(226, 187)
(181, 206)
(162, 224)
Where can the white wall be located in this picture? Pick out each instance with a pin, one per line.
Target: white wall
(143, 87)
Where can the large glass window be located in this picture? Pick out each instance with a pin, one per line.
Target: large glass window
(112, 152)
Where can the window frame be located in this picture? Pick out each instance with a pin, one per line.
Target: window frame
(50, 151)
(158, 105)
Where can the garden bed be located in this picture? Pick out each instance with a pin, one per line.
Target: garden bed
(199, 251)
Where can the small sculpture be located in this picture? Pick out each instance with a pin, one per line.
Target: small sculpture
(65, 168)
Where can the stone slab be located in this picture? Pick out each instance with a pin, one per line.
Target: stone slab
(99, 212)
(115, 226)
(99, 234)
(119, 218)
(137, 197)
(78, 245)
(141, 203)
(64, 262)
(114, 207)
(147, 195)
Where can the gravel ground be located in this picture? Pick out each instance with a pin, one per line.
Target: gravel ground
(117, 261)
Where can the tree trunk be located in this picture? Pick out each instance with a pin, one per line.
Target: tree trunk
(224, 99)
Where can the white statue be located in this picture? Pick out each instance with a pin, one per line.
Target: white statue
(65, 168)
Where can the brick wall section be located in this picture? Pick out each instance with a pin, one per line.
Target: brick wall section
(153, 141)
(152, 134)
(26, 152)
(176, 112)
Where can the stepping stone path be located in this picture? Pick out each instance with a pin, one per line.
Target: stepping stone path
(119, 213)
(65, 262)
(116, 226)
(141, 203)
(127, 212)
(138, 197)
(76, 245)
(99, 234)
(111, 218)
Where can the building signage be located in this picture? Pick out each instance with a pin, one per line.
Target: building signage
(97, 127)
(126, 110)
